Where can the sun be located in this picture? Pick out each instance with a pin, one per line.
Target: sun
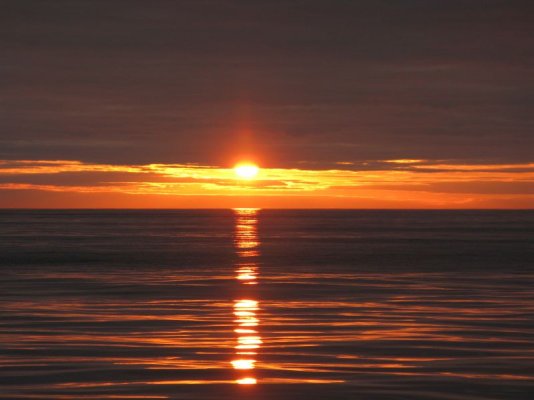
(246, 170)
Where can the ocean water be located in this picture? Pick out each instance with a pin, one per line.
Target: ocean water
(266, 304)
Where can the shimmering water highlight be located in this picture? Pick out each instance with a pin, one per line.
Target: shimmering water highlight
(265, 304)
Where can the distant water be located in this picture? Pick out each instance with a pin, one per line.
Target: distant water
(265, 304)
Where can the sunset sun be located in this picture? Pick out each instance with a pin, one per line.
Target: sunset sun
(246, 170)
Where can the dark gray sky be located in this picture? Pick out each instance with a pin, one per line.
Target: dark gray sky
(314, 81)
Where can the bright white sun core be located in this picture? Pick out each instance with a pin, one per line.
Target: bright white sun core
(246, 170)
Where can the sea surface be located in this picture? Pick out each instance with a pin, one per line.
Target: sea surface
(266, 304)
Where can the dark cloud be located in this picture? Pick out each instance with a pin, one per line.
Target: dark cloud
(117, 179)
(318, 81)
(86, 178)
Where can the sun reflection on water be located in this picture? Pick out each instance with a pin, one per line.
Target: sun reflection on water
(248, 340)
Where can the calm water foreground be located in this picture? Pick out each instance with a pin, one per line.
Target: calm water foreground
(265, 304)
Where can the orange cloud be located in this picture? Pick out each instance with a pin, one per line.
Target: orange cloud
(388, 184)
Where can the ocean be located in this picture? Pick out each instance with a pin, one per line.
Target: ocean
(266, 304)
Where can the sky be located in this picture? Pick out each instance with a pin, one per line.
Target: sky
(351, 104)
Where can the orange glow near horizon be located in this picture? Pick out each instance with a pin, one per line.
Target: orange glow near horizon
(399, 183)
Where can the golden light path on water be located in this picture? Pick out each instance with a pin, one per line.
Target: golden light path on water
(341, 310)
(248, 340)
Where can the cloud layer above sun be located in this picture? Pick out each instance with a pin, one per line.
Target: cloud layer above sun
(372, 184)
(124, 82)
